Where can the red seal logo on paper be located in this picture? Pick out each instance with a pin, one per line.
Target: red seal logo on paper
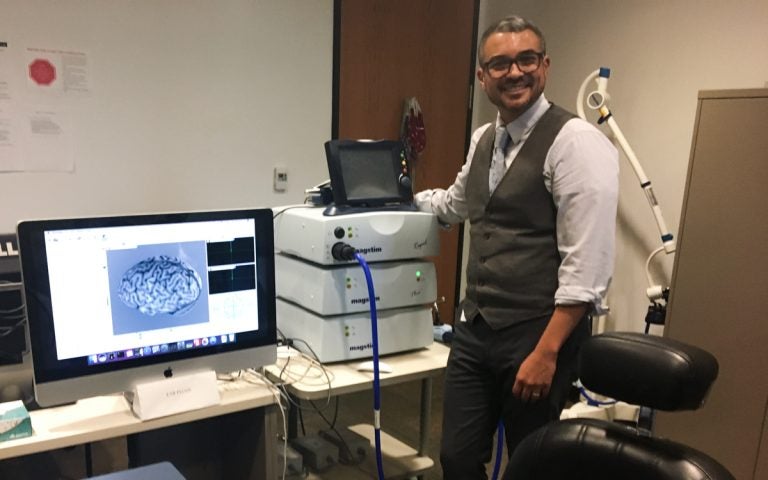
(42, 72)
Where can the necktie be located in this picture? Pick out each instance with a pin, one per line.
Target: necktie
(498, 168)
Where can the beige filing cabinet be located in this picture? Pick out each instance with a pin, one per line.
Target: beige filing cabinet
(719, 290)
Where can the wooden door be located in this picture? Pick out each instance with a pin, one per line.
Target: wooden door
(389, 50)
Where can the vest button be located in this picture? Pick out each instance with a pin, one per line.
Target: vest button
(482, 259)
(486, 235)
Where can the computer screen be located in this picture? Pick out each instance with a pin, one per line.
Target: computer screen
(116, 301)
(368, 173)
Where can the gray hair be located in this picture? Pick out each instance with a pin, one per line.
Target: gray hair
(512, 23)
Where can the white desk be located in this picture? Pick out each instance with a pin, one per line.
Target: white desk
(100, 418)
(423, 364)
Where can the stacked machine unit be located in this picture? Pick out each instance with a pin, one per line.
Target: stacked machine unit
(325, 302)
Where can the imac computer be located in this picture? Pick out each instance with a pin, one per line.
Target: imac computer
(114, 302)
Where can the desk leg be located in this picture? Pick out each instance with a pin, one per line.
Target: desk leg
(293, 419)
(426, 413)
(269, 439)
(88, 460)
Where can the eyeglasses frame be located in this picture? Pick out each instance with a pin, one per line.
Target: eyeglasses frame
(513, 61)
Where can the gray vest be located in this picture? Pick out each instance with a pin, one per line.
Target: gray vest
(513, 256)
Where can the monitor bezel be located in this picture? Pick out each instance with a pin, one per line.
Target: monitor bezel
(334, 150)
(62, 381)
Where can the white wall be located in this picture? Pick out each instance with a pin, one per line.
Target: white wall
(192, 103)
(661, 53)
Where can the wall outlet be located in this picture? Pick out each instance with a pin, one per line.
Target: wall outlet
(280, 178)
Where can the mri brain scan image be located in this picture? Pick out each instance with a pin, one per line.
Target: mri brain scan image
(161, 284)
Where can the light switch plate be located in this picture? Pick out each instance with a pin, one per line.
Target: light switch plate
(280, 178)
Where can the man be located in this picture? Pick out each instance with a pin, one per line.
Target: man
(542, 222)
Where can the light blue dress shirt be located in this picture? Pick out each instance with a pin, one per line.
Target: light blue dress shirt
(581, 172)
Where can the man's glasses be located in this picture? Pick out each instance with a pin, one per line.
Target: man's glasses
(526, 62)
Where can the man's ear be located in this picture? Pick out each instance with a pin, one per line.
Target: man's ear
(480, 77)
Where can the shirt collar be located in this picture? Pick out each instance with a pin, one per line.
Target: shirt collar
(520, 127)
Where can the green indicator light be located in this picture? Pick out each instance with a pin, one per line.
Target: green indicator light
(418, 273)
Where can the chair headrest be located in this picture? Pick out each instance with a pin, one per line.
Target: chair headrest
(648, 370)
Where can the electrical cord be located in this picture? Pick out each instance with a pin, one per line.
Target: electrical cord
(277, 393)
(287, 376)
(12, 310)
(307, 364)
(15, 314)
(7, 285)
(302, 368)
(318, 410)
(304, 205)
(9, 329)
(332, 427)
(255, 377)
(6, 330)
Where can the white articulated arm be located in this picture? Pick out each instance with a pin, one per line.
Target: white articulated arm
(598, 100)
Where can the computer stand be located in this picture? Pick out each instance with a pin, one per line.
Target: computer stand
(174, 394)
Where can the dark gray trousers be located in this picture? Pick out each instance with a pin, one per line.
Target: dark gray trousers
(481, 371)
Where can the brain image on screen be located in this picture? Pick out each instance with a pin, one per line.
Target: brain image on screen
(160, 284)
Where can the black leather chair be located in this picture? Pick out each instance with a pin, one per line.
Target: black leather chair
(656, 372)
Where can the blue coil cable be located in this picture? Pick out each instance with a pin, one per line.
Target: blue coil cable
(376, 386)
(499, 446)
